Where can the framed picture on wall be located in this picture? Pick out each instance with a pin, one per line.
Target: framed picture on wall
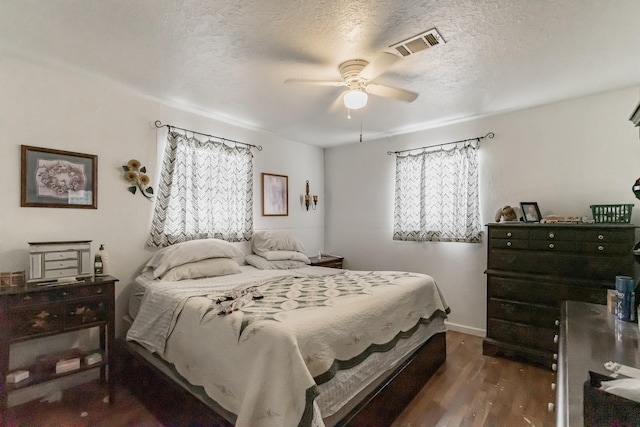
(275, 195)
(530, 212)
(58, 179)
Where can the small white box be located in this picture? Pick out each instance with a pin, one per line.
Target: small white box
(93, 358)
(67, 365)
(17, 376)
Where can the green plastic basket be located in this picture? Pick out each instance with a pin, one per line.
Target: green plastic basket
(612, 213)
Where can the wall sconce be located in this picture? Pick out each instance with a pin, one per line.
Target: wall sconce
(307, 199)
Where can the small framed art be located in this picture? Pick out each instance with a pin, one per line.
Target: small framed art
(275, 195)
(58, 179)
(530, 212)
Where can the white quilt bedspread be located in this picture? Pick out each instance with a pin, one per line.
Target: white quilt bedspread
(263, 361)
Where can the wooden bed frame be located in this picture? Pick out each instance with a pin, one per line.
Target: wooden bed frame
(154, 381)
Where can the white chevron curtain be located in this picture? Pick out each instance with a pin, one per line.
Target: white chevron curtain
(437, 196)
(205, 191)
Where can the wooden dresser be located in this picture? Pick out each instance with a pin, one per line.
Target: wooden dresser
(532, 268)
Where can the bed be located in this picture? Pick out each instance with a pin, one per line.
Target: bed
(294, 345)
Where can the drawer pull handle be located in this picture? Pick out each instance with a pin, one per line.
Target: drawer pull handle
(557, 322)
(64, 294)
(553, 386)
(555, 356)
(509, 244)
(555, 339)
(551, 407)
(601, 248)
(600, 237)
(27, 298)
(551, 235)
(99, 291)
(554, 367)
(509, 234)
(551, 246)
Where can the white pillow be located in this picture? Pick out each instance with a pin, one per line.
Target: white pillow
(204, 268)
(273, 240)
(284, 255)
(264, 264)
(191, 251)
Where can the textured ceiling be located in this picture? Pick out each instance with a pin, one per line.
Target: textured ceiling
(229, 58)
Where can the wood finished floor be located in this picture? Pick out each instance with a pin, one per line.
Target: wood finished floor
(469, 390)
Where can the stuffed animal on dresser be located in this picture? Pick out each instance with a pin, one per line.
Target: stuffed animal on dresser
(506, 214)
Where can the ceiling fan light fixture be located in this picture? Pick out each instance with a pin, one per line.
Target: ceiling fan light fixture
(355, 99)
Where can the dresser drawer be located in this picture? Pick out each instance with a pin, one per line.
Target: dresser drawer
(601, 248)
(609, 235)
(530, 314)
(553, 245)
(543, 293)
(561, 264)
(34, 321)
(520, 334)
(554, 234)
(509, 244)
(509, 233)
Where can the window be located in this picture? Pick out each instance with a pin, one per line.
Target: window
(205, 191)
(437, 196)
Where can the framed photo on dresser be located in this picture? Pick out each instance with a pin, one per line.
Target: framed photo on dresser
(530, 212)
(58, 179)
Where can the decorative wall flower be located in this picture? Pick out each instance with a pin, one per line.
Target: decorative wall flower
(135, 174)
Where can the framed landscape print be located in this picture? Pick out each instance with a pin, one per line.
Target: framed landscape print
(275, 197)
(58, 179)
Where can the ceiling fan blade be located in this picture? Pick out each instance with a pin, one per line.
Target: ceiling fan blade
(338, 104)
(379, 65)
(315, 82)
(391, 92)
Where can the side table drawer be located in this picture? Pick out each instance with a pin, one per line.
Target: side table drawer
(34, 321)
(84, 313)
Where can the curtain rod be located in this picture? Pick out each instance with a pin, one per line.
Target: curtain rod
(159, 125)
(490, 135)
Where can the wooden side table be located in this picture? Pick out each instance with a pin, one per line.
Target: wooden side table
(34, 311)
(331, 261)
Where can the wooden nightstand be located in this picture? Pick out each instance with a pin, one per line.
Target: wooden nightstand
(330, 261)
(34, 311)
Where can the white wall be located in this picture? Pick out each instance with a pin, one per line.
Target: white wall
(50, 106)
(565, 156)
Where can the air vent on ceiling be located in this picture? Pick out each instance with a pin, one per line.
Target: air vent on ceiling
(417, 43)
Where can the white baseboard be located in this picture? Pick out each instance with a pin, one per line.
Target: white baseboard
(466, 329)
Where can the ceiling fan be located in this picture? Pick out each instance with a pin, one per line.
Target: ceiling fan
(357, 76)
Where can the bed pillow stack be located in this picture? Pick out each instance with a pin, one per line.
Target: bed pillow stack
(194, 259)
(276, 250)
